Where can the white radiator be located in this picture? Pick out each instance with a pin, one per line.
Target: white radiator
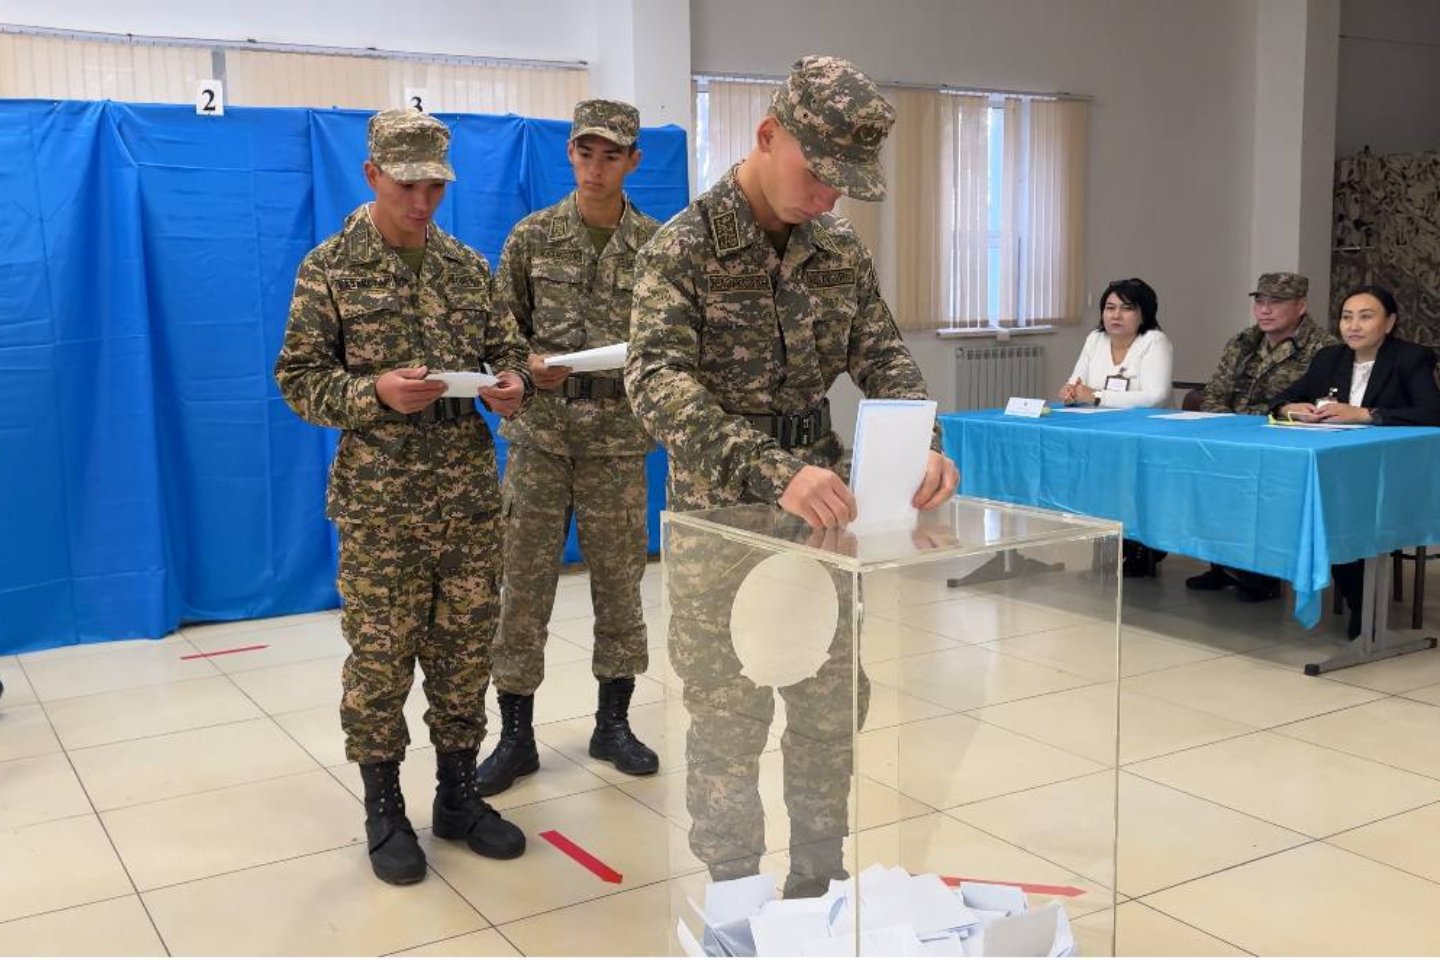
(990, 376)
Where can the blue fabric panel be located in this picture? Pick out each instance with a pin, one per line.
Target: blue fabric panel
(1232, 490)
(149, 471)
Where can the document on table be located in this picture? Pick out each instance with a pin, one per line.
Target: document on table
(1318, 425)
(1065, 409)
(1189, 415)
(892, 447)
(590, 361)
(463, 383)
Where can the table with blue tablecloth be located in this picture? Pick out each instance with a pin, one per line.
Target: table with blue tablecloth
(1233, 490)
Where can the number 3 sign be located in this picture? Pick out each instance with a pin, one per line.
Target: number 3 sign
(210, 98)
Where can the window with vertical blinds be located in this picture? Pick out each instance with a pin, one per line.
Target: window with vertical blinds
(154, 71)
(984, 223)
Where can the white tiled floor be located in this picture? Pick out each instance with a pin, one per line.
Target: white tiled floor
(153, 804)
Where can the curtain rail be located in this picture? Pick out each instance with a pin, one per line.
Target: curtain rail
(372, 53)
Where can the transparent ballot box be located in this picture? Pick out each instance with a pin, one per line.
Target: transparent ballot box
(897, 742)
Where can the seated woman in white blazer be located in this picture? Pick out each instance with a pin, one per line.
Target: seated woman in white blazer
(1127, 360)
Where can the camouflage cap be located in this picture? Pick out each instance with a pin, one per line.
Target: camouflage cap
(615, 121)
(410, 145)
(841, 121)
(1281, 286)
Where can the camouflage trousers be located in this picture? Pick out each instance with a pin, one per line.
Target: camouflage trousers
(730, 719)
(607, 497)
(426, 592)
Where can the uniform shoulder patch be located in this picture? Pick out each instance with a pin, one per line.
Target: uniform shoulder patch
(374, 282)
(725, 228)
(836, 277)
(736, 282)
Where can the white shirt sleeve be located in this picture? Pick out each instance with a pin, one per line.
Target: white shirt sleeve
(1087, 356)
(1150, 364)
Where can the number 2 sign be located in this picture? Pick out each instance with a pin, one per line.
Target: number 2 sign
(210, 98)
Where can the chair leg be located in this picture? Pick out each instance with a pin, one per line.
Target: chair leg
(1337, 602)
(1417, 612)
(1397, 572)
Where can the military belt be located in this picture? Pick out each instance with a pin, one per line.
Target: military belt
(446, 408)
(793, 429)
(583, 386)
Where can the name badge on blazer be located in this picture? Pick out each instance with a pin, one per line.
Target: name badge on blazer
(1118, 382)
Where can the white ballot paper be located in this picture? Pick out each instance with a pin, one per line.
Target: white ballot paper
(465, 383)
(892, 445)
(589, 361)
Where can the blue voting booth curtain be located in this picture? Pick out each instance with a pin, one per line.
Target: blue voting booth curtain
(150, 473)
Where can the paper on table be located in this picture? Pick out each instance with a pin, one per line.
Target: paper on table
(1062, 409)
(1318, 425)
(611, 357)
(1189, 415)
(892, 445)
(463, 383)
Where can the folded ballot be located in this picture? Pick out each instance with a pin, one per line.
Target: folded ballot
(590, 361)
(463, 383)
(902, 915)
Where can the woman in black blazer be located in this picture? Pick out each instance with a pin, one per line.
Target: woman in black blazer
(1373, 377)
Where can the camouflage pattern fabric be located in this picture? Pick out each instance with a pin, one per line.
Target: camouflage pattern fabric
(607, 496)
(730, 718)
(1282, 286)
(359, 311)
(840, 120)
(723, 326)
(410, 146)
(566, 297)
(427, 592)
(615, 121)
(1249, 378)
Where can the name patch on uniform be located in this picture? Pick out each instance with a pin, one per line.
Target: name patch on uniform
(838, 277)
(562, 256)
(364, 283)
(735, 282)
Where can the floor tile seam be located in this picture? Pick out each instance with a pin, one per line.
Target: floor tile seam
(1260, 727)
(1287, 848)
(1223, 806)
(87, 903)
(604, 896)
(283, 664)
(176, 681)
(235, 871)
(1428, 881)
(431, 943)
(1278, 731)
(1066, 869)
(1186, 923)
(190, 794)
(165, 733)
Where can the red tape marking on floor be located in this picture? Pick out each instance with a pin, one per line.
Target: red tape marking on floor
(221, 653)
(581, 856)
(1038, 888)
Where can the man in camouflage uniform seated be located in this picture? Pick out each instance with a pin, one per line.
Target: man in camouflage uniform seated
(566, 277)
(749, 304)
(413, 489)
(1258, 363)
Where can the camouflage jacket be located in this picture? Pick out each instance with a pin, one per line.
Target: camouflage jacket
(565, 297)
(723, 326)
(1246, 382)
(357, 312)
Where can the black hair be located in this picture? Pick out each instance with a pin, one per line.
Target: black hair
(1134, 293)
(1386, 298)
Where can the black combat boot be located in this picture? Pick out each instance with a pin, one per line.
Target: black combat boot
(515, 754)
(395, 854)
(460, 813)
(613, 740)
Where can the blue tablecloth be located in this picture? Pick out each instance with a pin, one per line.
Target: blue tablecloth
(1232, 490)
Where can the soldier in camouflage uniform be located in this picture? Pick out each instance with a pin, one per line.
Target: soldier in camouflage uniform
(1257, 365)
(748, 305)
(413, 488)
(566, 276)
